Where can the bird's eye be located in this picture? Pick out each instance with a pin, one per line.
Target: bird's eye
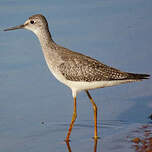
(32, 22)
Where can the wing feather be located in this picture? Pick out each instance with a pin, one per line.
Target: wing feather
(78, 67)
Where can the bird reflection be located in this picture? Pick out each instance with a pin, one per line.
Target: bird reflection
(94, 150)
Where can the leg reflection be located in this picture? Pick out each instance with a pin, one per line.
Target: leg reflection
(68, 146)
(95, 144)
(94, 150)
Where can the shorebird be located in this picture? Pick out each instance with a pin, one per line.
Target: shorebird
(77, 71)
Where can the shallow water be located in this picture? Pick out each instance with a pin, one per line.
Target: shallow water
(35, 109)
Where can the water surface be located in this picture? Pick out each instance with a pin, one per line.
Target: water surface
(35, 109)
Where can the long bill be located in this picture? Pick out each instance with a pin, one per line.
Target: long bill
(15, 27)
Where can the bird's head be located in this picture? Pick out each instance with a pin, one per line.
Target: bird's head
(35, 23)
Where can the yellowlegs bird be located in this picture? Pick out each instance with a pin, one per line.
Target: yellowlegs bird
(79, 72)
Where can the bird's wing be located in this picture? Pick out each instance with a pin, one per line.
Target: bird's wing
(78, 67)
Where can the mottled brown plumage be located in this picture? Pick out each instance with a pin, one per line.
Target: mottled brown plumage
(78, 67)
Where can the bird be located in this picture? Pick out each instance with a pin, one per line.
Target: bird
(77, 71)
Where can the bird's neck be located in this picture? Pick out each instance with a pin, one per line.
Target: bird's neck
(45, 39)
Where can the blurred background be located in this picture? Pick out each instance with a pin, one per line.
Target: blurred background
(36, 109)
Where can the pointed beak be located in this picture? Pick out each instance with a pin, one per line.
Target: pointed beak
(15, 27)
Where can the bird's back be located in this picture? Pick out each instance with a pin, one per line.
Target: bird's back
(78, 67)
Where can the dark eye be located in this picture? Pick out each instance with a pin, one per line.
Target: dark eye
(32, 22)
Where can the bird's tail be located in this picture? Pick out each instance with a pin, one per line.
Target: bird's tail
(138, 76)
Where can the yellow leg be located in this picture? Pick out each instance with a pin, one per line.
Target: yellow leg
(95, 114)
(74, 116)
